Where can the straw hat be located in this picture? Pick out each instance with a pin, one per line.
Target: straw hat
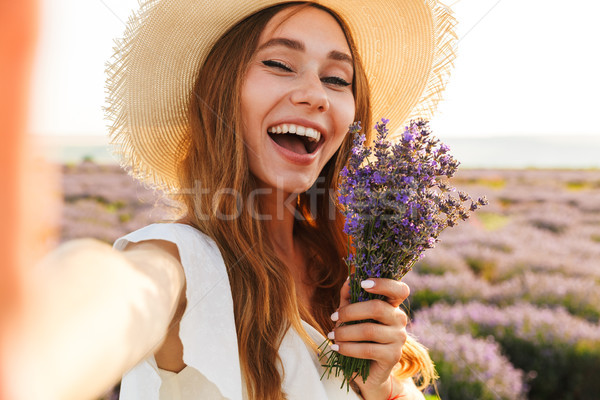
(406, 47)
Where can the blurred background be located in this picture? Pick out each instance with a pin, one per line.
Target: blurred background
(508, 303)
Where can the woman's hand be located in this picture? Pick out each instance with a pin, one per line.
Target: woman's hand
(384, 340)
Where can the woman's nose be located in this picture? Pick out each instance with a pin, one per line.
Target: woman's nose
(311, 93)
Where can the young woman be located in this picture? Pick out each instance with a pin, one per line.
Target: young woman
(240, 110)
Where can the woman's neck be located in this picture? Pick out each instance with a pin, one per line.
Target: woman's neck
(280, 209)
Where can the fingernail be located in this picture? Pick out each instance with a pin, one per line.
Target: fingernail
(335, 316)
(368, 284)
(335, 347)
(331, 335)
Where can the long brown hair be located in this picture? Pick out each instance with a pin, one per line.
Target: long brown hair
(264, 296)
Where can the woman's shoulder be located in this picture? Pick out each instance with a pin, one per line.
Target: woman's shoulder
(196, 252)
(179, 239)
(154, 238)
(193, 250)
(176, 233)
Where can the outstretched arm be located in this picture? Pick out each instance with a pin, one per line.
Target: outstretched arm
(91, 314)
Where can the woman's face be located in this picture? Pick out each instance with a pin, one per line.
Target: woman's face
(297, 100)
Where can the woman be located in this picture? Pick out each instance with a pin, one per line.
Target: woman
(240, 110)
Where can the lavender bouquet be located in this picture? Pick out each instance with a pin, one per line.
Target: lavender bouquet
(395, 205)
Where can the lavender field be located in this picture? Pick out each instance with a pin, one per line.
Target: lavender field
(508, 303)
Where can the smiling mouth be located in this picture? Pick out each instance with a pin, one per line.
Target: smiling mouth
(295, 138)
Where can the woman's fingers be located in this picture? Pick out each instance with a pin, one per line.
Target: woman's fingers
(394, 291)
(383, 353)
(378, 310)
(367, 331)
(380, 341)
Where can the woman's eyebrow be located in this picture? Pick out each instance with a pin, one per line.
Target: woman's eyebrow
(292, 44)
(299, 46)
(340, 56)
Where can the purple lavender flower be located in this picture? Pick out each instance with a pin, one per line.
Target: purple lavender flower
(549, 342)
(396, 204)
(470, 368)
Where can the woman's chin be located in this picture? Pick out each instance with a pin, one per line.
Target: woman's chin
(295, 188)
(288, 184)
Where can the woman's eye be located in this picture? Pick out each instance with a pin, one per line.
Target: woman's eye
(277, 64)
(331, 80)
(334, 80)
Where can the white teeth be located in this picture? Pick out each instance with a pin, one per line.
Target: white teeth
(312, 134)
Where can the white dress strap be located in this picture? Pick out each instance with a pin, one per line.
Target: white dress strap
(208, 317)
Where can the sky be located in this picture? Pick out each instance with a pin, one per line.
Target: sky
(524, 67)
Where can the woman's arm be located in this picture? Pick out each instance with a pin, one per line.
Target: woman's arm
(91, 314)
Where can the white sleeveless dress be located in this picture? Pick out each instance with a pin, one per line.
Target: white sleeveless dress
(207, 332)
